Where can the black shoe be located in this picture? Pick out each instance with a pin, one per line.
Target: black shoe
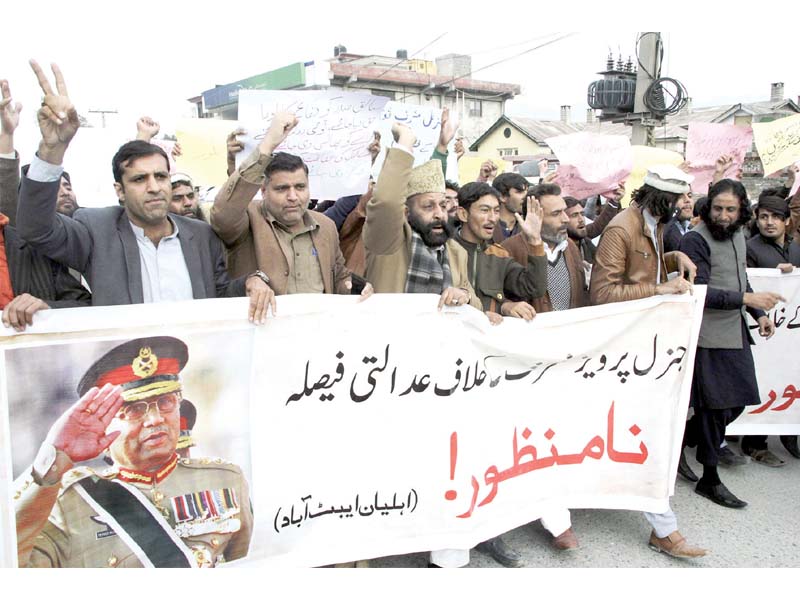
(719, 494)
(685, 471)
(433, 566)
(497, 549)
(790, 443)
(729, 458)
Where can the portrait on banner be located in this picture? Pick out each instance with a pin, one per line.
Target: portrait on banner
(131, 452)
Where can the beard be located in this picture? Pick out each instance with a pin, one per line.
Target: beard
(425, 230)
(722, 232)
(554, 236)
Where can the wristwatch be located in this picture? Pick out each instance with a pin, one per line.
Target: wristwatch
(261, 275)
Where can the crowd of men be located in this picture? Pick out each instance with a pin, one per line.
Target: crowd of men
(509, 245)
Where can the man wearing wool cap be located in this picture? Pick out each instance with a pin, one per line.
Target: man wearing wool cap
(407, 236)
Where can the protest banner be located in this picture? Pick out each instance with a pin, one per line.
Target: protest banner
(332, 135)
(590, 163)
(643, 158)
(706, 142)
(399, 429)
(777, 366)
(778, 142)
(203, 149)
(469, 167)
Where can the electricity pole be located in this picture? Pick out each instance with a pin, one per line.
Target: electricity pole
(649, 68)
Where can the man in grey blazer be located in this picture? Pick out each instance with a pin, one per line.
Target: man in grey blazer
(133, 253)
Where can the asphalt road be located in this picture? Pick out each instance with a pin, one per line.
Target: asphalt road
(763, 534)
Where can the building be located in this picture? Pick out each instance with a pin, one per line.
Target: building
(518, 139)
(445, 82)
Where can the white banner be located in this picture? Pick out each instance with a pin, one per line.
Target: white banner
(334, 131)
(777, 364)
(387, 427)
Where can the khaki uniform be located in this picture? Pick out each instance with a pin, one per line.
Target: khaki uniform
(74, 535)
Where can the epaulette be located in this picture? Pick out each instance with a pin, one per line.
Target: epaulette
(75, 475)
(208, 462)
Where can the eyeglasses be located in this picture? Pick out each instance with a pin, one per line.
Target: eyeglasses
(135, 411)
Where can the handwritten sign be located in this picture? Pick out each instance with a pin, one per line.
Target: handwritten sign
(424, 121)
(204, 151)
(645, 157)
(591, 163)
(775, 359)
(332, 135)
(707, 142)
(778, 142)
(590, 416)
(469, 167)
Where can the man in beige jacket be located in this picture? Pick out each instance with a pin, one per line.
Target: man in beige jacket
(296, 250)
(406, 234)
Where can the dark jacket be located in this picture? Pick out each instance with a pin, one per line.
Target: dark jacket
(496, 277)
(579, 291)
(100, 244)
(672, 236)
(33, 274)
(763, 253)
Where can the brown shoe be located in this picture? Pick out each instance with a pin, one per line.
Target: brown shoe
(566, 541)
(675, 545)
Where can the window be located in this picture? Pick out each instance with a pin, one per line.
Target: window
(507, 132)
(508, 151)
(475, 108)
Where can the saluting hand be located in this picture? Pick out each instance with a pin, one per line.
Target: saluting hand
(81, 431)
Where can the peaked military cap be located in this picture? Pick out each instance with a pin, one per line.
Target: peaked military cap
(144, 367)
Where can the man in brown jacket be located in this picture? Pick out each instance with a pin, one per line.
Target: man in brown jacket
(406, 233)
(297, 249)
(566, 279)
(630, 263)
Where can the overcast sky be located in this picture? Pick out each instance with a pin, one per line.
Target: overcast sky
(148, 57)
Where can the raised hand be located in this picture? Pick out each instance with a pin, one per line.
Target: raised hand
(447, 131)
(58, 119)
(233, 144)
(279, 129)
(459, 148)
(9, 110)
(616, 194)
(375, 146)
(404, 135)
(531, 226)
(488, 171)
(81, 431)
(147, 129)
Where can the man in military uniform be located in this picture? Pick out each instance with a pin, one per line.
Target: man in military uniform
(151, 508)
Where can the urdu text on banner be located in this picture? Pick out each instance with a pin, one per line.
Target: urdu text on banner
(777, 366)
(387, 427)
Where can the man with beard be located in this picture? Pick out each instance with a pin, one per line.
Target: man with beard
(724, 374)
(496, 278)
(451, 195)
(583, 234)
(679, 225)
(513, 189)
(406, 233)
(771, 248)
(184, 198)
(566, 280)
(631, 264)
